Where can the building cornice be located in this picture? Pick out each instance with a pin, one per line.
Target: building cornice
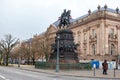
(100, 15)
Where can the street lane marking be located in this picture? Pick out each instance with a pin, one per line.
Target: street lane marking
(4, 77)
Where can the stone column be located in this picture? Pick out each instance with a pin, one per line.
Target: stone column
(98, 38)
(118, 28)
(82, 39)
(88, 45)
(106, 39)
(102, 37)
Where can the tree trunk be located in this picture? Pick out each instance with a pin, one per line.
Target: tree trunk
(7, 56)
(33, 61)
(46, 56)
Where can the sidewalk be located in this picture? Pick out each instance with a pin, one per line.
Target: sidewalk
(76, 73)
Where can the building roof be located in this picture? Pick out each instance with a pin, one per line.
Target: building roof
(56, 23)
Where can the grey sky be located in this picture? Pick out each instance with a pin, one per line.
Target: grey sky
(25, 18)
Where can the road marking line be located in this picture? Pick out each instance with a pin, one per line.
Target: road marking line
(2, 77)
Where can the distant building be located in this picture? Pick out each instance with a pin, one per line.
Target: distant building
(97, 33)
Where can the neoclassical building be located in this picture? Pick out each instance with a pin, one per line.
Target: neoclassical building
(97, 33)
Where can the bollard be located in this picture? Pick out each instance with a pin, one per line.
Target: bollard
(94, 71)
(114, 72)
(94, 66)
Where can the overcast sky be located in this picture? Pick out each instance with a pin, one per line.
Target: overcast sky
(25, 18)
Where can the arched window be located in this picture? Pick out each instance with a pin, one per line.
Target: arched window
(93, 49)
(112, 49)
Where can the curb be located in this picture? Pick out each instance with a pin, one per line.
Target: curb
(67, 75)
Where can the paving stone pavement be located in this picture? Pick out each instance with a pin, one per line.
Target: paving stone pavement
(78, 73)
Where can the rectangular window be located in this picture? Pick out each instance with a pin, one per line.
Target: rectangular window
(85, 51)
(93, 33)
(78, 38)
(85, 37)
(111, 32)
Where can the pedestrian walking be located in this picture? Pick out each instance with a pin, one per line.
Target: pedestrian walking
(105, 67)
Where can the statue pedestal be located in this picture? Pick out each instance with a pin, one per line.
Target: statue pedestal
(67, 47)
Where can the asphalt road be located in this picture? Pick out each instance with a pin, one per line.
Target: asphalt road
(9, 73)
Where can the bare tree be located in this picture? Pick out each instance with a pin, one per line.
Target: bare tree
(41, 46)
(7, 44)
(1, 55)
(25, 50)
(16, 52)
(36, 51)
(33, 50)
(45, 45)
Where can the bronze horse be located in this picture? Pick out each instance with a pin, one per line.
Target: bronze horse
(65, 18)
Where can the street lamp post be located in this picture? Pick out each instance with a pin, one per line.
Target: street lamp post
(57, 60)
(19, 55)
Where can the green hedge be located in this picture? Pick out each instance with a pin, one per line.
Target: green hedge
(45, 65)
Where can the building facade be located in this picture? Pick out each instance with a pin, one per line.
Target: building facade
(97, 33)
